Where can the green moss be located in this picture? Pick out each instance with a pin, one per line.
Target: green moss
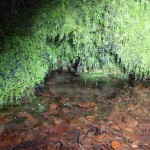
(53, 33)
(128, 26)
(108, 70)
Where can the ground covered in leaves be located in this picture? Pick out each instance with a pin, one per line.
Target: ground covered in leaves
(70, 115)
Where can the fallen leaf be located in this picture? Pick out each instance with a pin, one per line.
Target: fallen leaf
(28, 137)
(54, 138)
(63, 100)
(86, 142)
(130, 135)
(90, 118)
(84, 121)
(53, 106)
(145, 127)
(16, 141)
(135, 144)
(121, 125)
(130, 121)
(46, 99)
(144, 139)
(58, 120)
(30, 121)
(69, 116)
(61, 128)
(74, 121)
(129, 129)
(85, 104)
(116, 127)
(50, 147)
(93, 104)
(116, 116)
(5, 144)
(115, 144)
(65, 110)
(98, 138)
(123, 146)
(96, 114)
(133, 107)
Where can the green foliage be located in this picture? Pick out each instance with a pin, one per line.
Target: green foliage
(128, 26)
(54, 33)
(22, 66)
(108, 70)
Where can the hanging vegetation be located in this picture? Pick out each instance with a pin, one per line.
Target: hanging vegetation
(127, 31)
(53, 34)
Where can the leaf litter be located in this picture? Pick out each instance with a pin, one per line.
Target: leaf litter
(81, 118)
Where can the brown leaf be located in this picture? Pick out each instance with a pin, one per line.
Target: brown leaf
(123, 147)
(30, 121)
(58, 120)
(5, 144)
(90, 118)
(93, 104)
(69, 116)
(85, 104)
(46, 99)
(130, 135)
(74, 121)
(145, 127)
(96, 114)
(121, 125)
(86, 141)
(63, 100)
(79, 112)
(135, 144)
(54, 138)
(139, 111)
(98, 138)
(53, 106)
(116, 127)
(132, 107)
(28, 137)
(65, 110)
(129, 129)
(144, 139)
(53, 147)
(130, 121)
(16, 141)
(115, 144)
(67, 144)
(84, 121)
(116, 116)
(61, 128)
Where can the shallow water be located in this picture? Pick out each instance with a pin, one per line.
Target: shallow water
(66, 102)
(72, 85)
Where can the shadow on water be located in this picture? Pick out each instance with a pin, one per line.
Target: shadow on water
(76, 90)
(72, 84)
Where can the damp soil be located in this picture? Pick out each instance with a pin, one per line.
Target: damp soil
(69, 113)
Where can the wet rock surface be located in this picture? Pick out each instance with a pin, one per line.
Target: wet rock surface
(80, 117)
